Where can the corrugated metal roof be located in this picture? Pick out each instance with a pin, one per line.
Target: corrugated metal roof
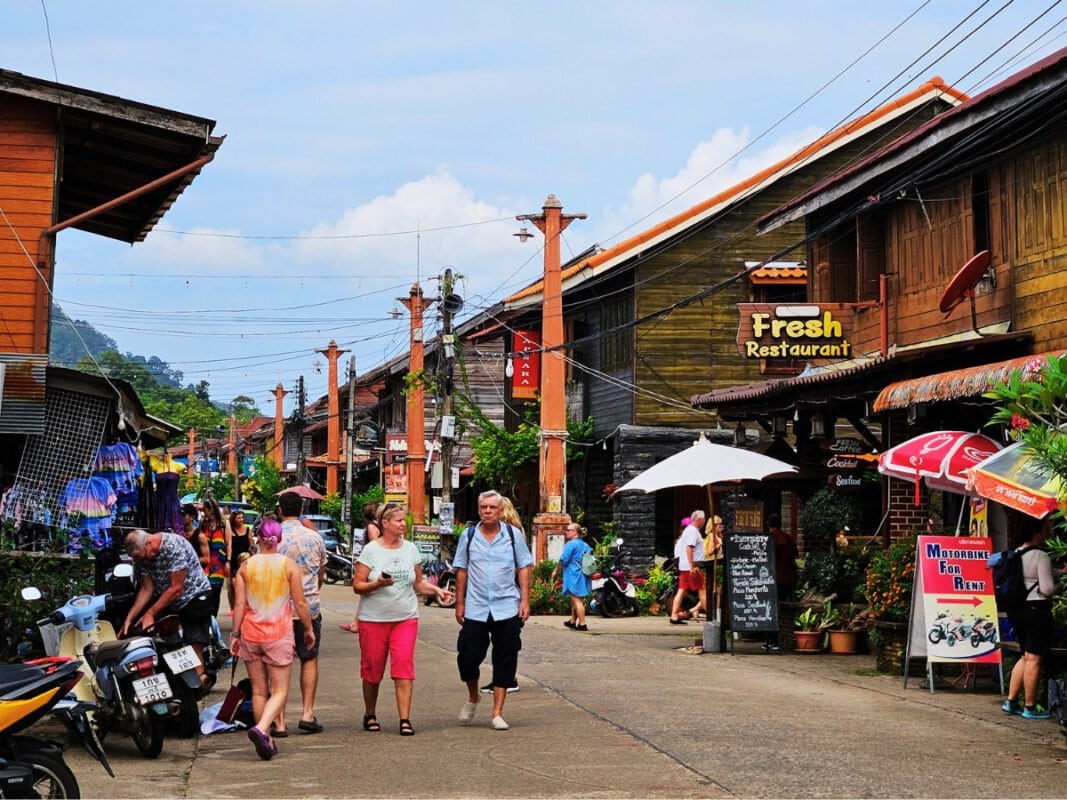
(753, 391)
(952, 385)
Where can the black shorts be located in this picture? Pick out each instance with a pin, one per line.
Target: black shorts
(196, 619)
(1033, 628)
(298, 633)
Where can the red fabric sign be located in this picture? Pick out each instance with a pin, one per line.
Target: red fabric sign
(526, 361)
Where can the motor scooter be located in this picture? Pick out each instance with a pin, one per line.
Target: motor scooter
(338, 565)
(122, 676)
(613, 594)
(33, 766)
(983, 630)
(180, 663)
(440, 573)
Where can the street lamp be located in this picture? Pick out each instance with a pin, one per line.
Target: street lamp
(552, 464)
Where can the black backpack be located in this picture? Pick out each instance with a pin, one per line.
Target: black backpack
(1009, 586)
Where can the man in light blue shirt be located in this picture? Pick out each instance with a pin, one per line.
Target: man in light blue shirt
(492, 565)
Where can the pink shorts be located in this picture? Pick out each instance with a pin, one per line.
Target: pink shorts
(392, 640)
(278, 653)
(691, 582)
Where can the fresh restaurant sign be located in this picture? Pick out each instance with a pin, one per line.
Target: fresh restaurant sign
(805, 330)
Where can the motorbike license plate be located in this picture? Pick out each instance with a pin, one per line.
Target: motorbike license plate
(182, 659)
(152, 689)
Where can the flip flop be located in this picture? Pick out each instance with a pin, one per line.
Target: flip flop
(264, 749)
(310, 726)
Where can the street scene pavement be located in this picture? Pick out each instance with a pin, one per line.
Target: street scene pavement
(629, 709)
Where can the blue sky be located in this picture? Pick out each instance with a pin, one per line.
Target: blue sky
(352, 125)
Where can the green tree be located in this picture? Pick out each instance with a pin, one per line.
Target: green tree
(262, 489)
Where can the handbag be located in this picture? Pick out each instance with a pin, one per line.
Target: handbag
(234, 697)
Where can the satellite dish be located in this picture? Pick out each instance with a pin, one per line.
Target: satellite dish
(963, 282)
(452, 303)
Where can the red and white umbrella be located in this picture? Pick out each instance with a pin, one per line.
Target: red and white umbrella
(941, 458)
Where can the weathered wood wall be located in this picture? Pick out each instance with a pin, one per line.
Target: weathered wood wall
(27, 193)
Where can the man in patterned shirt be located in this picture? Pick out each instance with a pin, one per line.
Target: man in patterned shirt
(172, 582)
(306, 547)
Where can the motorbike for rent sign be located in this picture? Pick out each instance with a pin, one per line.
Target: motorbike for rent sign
(953, 610)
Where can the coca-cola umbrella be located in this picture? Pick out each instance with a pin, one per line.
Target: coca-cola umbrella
(941, 458)
(1013, 478)
(303, 491)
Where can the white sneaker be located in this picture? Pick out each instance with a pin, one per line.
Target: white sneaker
(499, 724)
(466, 714)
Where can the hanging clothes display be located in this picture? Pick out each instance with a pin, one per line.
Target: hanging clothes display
(168, 507)
(121, 467)
(87, 508)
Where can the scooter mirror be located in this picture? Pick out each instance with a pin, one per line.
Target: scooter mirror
(123, 571)
(31, 593)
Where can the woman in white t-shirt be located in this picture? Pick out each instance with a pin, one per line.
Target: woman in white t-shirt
(387, 577)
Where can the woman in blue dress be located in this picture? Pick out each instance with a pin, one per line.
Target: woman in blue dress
(575, 582)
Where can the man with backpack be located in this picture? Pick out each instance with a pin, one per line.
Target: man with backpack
(1024, 585)
(492, 564)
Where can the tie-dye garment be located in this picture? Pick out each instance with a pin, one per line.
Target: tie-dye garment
(268, 616)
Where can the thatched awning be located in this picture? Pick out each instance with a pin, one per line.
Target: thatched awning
(955, 384)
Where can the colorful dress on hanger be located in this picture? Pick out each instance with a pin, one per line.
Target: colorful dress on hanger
(87, 507)
(168, 506)
(120, 466)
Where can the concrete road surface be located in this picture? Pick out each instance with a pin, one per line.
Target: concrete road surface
(622, 711)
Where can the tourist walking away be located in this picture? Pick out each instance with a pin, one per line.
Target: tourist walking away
(785, 568)
(304, 546)
(690, 578)
(371, 531)
(193, 534)
(172, 582)
(388, 578)
(492, 602)
(576, 583)
(1032, 622)
(217, 535)
(239, 538)
(268, 587)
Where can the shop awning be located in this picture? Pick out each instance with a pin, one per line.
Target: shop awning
(953, 385)
(1013, 478)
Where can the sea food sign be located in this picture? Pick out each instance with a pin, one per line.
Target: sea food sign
(795, 331)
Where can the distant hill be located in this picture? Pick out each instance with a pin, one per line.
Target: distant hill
(66, 349)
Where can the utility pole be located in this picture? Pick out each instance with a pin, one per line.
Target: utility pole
(299, 426)
(446, 364)
(279, 427)
(552, 462)
(333, 418)
(416, 414)
(232, 465)
(350, 440)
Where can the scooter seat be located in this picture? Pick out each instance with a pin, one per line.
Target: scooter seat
(14, 677)
(111, 652)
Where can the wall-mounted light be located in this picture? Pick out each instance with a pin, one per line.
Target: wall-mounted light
(740, 435)
(779, 425)
(818, 426)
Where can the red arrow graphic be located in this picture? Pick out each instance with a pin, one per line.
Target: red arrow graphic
(967, 601)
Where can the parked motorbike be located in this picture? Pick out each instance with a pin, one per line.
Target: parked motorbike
(338, 565)
(123, 677)
(441, 574)
(614, 594)
(31, 766)
(180, 662)
(983, 630)
(949, 629)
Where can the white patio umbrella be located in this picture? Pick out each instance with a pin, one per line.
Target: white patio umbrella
(706, 463)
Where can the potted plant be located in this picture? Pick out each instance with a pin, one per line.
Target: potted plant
(846, 634)
(808, 633)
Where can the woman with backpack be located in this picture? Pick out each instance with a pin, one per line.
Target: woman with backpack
(1032, 622)
(575, 582)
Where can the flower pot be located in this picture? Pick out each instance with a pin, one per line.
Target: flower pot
(845, 642)
(808, 641)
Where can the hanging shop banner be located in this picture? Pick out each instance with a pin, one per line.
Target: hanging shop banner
(979, 516)
(796, 330)
(526, 363)
(954, 613)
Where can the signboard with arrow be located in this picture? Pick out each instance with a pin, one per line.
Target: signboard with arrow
(953, 611)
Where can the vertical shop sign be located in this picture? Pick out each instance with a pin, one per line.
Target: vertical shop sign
(395, 471)
(953, 610)
(526, 362)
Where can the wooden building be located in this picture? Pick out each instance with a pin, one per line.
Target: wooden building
(888, 234)
(652, 321)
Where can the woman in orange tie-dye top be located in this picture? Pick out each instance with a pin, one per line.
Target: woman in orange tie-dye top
(263, 630)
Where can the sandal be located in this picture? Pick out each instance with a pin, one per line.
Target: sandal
(370, 723)
(405, 728)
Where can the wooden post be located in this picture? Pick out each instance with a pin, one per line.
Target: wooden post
(333, 418)
(279, 427)
(416, 414)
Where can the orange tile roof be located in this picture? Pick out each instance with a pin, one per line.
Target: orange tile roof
(795, 160)
(790, 275)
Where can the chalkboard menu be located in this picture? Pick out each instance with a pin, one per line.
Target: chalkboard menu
(752, 593)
